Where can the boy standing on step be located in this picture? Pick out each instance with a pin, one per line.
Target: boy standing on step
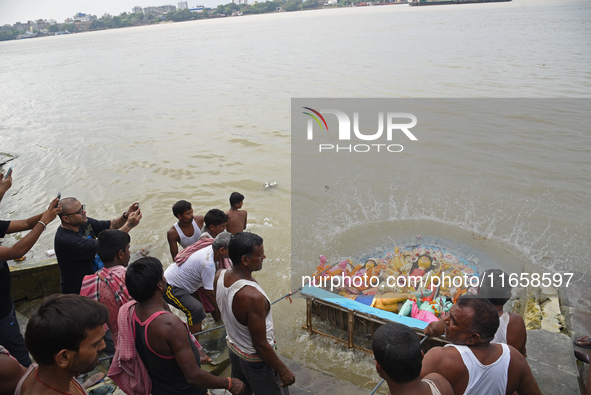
(236, 217)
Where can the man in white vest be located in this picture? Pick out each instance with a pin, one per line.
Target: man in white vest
(246, 311)
(187, 230)
(495, 287)
(472, 364)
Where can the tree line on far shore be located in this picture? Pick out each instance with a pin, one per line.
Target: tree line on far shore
(138, 18)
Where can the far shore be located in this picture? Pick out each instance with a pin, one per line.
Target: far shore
(209, 14)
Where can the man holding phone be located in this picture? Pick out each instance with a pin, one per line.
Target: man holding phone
(10, 335)
(75, 240)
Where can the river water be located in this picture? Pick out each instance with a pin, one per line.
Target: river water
(197, 110)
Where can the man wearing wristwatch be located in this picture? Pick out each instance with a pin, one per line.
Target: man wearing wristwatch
(10, 334)
(75, 240)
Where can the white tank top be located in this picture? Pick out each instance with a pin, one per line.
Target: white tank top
(434, 389)
(501, 335)
(238, 334)
(187, 241)
(485, 379)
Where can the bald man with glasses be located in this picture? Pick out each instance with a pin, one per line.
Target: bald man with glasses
(75, 240)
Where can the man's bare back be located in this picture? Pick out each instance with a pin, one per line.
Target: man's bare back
(236, 220)
(236, 217)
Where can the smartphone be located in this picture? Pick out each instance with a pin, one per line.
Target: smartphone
(59, 196)
(8, 173)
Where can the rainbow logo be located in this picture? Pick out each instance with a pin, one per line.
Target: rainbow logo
(316, 119)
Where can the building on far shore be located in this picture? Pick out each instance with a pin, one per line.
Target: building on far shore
(82, 26)
(83, 17)
(183, 5)
(159, 10)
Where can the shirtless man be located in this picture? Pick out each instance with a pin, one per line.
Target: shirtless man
(187, 230)
(511, 326)
(398, 354)
(246, 311)
(472, 364)
(236, 217)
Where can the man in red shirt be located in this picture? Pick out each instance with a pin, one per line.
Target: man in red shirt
(107, 286)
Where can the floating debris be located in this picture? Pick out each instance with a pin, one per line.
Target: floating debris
(270, 184)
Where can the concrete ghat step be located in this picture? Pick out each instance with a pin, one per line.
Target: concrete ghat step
(577, 307)
(311, 382)
(551, 359)
(580, 322)
(22, 321)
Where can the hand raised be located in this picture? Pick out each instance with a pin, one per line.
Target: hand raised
(5, 184)
(134, 218)
(134, 206)
(54, 209)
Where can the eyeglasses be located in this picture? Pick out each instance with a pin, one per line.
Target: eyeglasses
(81, 211)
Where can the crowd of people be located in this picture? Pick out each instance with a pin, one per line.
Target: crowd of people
(108, 303)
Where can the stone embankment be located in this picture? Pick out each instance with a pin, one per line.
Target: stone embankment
(552, 323)
(554, 319)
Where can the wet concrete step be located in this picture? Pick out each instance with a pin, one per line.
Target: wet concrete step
(552, 362)
(311, 382)
(577, 309)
